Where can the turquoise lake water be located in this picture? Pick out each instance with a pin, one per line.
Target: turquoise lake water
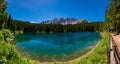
(55, 46)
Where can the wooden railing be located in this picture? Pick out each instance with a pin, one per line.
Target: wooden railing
(114, 56)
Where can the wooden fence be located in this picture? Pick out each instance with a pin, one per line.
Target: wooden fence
(114, 54)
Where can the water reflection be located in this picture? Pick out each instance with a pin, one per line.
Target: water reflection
(57, 46)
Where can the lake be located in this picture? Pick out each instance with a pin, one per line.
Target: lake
(55, 46)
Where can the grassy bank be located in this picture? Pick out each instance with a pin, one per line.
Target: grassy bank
(98, 55)
(8, 53)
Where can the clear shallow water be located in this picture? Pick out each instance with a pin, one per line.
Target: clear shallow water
(55, 46)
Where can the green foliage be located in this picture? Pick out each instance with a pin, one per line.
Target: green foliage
(99, 55)
(113, 16)
(9, 23)
(8, 52)
(6, 33)
(1, 36)
(4, 59)
(3, 14)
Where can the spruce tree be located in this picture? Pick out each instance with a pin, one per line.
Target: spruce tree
(113, 16)
(3, 13)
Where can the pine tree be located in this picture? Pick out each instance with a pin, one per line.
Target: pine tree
(3, 14)
(113, 16)
(9, 23)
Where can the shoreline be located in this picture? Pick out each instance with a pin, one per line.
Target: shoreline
(75, 61)
(85, 54)
(70, 61)
(65, 60)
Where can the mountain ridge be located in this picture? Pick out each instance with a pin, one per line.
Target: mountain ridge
(65, 21)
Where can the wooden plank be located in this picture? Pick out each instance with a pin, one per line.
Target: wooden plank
(112, 58)
(115, 46)
(117, 60)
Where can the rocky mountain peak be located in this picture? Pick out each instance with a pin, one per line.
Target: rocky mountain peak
(65, 21)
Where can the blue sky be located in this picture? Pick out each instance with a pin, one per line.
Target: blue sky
(39, 10)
